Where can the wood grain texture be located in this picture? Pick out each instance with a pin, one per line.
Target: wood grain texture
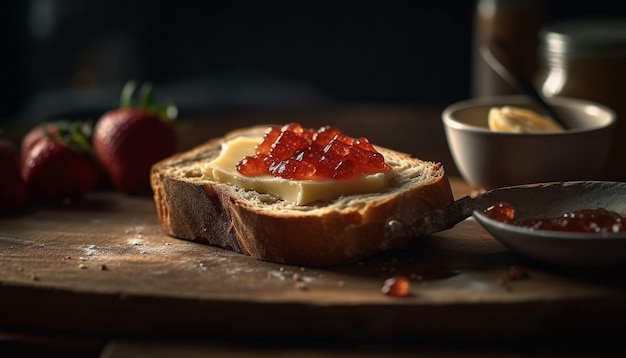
(103, 265)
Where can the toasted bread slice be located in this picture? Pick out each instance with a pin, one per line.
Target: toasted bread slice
(345, 230)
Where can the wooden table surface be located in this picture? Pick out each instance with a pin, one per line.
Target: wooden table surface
(98, 277)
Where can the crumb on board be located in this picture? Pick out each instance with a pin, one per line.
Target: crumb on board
(416, 277)
(301, 286)
(515, 273)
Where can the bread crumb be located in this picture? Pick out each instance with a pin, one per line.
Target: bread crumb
(296, 277)
(82, 266)
(517, 273)
(34, 277)
(506, 284)
(416, 277)
(301, 286)
(193, 173)
(104, 267)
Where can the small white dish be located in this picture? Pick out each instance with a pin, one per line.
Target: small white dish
(551, 200)
(489, 160)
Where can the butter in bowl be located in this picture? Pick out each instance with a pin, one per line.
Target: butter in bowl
(504, 141)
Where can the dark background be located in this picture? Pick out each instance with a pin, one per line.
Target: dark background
(72, 56)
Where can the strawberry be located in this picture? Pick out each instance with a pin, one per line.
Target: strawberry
(58, 167)
(14, 194)
(68, 130)
(128, 140)
(35, 135)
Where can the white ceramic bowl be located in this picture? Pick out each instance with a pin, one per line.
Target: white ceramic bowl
(488, 160)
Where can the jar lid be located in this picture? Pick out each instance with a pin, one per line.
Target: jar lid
(586, 36)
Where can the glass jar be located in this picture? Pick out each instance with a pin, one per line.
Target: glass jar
(518, 24)
(586, 58)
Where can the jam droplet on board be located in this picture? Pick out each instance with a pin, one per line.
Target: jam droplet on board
(397, 286)
(293, 152)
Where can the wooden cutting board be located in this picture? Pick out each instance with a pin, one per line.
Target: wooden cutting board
(104, 266)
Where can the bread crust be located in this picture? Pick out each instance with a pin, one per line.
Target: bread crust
(192, 207)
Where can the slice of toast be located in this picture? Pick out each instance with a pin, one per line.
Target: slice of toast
(345, 230)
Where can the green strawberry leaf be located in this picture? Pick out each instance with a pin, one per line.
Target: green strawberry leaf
(80, 136)
(146, 97)
(126, 98)
(167, 112)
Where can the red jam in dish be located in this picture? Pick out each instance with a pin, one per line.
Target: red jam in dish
(597, 220)
(292, 152)
(501, 211)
